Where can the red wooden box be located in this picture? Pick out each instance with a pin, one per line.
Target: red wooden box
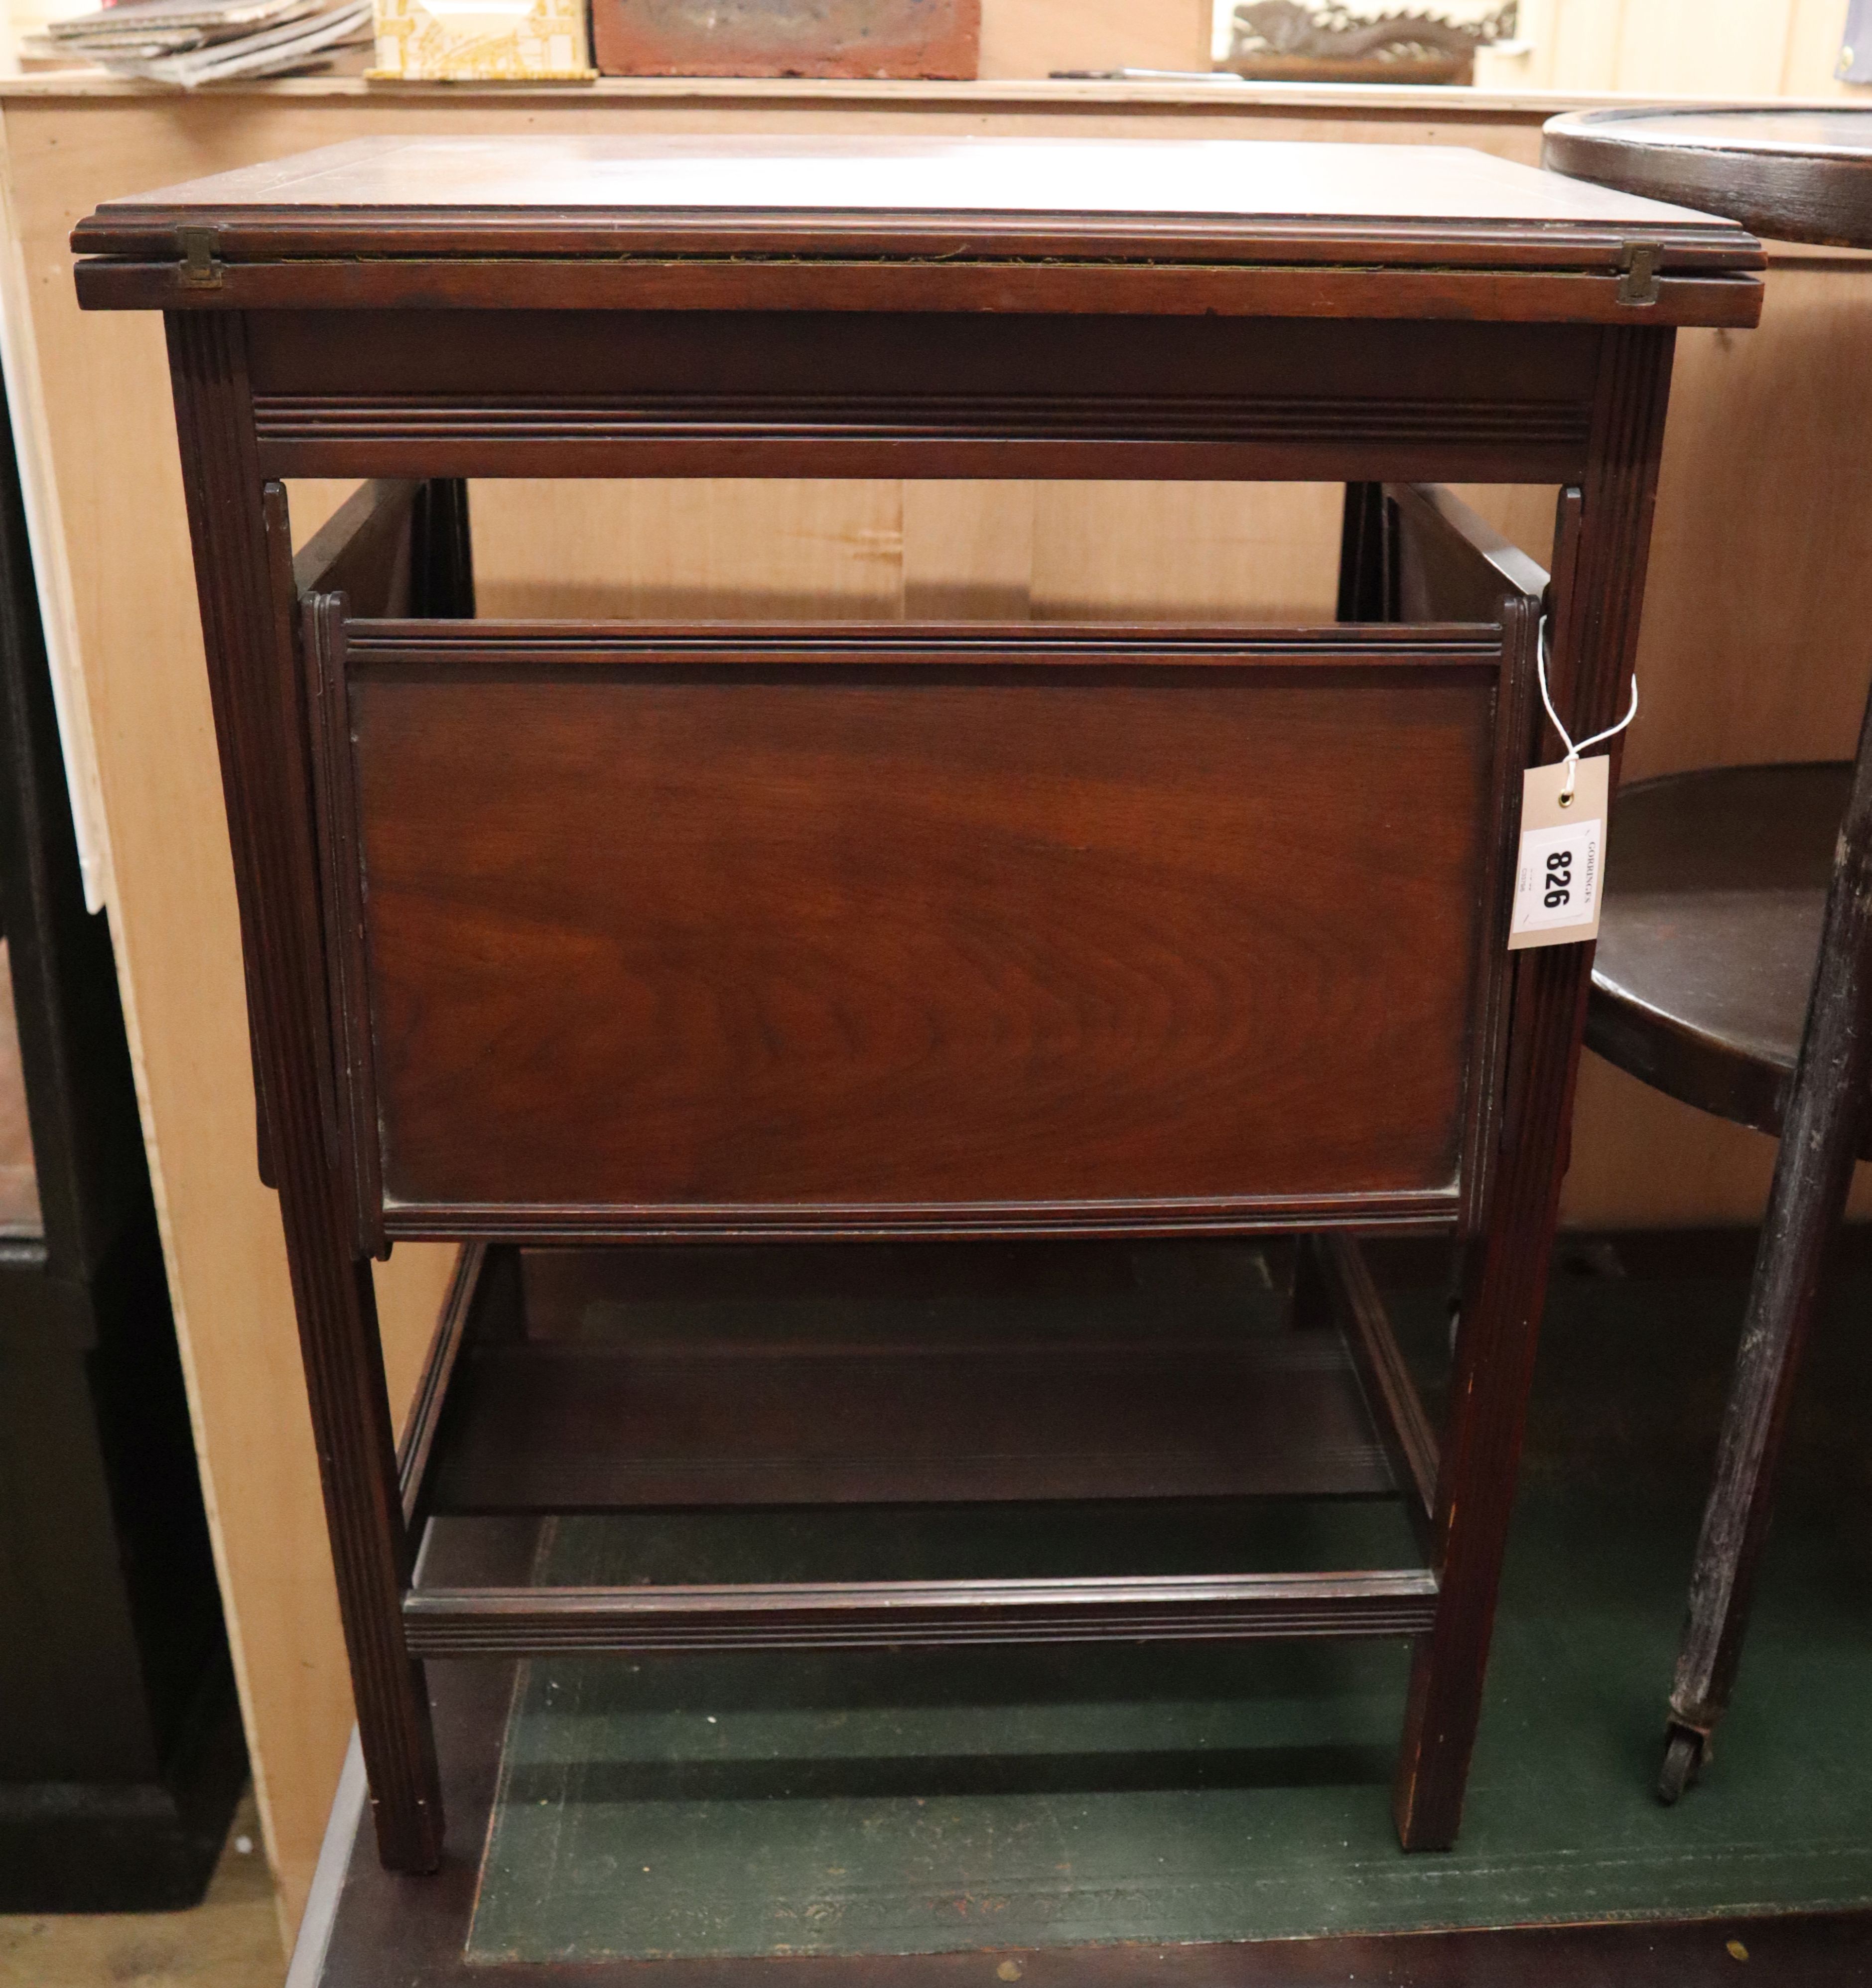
(854, 37)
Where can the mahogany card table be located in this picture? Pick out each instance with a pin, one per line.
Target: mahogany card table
(573, 939)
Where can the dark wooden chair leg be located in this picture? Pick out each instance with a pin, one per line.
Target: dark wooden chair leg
(1813, 1172)
(242, 542)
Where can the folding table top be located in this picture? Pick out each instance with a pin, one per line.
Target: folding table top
(1147, 206)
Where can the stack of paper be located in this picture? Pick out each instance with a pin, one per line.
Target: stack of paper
(191, 41)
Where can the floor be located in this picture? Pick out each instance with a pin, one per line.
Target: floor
(899, 1803)
(231, 1940)
(867, 1803)
(1631, 1384)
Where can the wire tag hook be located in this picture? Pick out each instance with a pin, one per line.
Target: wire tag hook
(1572, 761)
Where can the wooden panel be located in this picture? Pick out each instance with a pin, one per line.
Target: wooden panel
(614, 1378)
(1734, 48)
(1043, 935)
(968, 551)
(675, 394)
(570, 1429)
(786, 550)
(689, 550)
(1761, 579)
(907, 374)
(1186, 551)
(1702, 48)
(1642, 1160)
(1712, 49)
(1587, 36)
(1033, 38)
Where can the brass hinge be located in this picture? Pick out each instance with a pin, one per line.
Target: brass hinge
(1637, 282)
(200, 267)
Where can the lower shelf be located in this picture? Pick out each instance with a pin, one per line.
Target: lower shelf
(973, 1397)
(546, 1429)
(613, 1389)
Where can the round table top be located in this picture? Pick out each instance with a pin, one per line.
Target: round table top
(1796, 175)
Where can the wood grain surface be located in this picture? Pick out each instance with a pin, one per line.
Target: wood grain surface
(1210, 200)
(1801, 175)
(1208, 227)
(981, 395)
(1712, 928)
(584, 1428)
(787, 912)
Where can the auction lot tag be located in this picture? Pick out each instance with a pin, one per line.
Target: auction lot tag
(1561, 868)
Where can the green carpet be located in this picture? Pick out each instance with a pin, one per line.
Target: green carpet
(920, 1802)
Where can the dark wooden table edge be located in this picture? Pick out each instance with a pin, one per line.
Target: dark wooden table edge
(1729, 298)
(365, 1927)
(1787, 193)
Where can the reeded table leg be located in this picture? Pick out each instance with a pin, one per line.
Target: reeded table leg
(1601, 540)
(1481, 1439)
(243, 566)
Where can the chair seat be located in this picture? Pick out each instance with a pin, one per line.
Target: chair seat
(1715, 884)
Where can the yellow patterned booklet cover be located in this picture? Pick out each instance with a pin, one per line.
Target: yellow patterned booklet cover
(470, 41)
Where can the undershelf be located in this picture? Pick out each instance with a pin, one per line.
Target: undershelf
(587, 1385)
(547, 1428)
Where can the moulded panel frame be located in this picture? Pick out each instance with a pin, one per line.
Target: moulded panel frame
(551, 394)
(348, 662)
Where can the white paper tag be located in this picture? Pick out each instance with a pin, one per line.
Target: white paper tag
(1560, 869)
